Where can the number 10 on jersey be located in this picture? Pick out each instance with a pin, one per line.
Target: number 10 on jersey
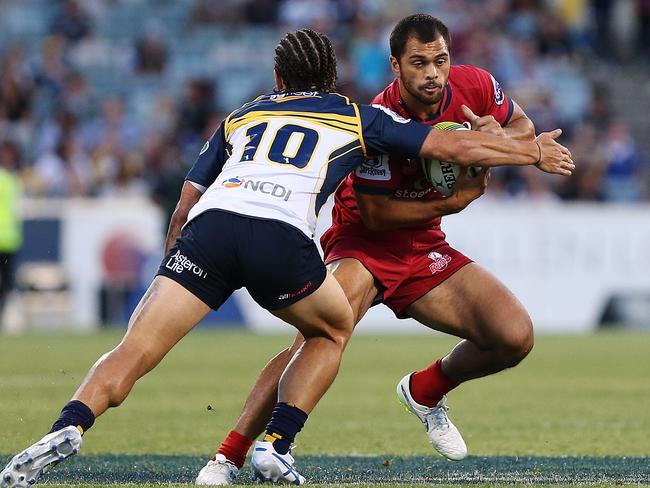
(291, 144)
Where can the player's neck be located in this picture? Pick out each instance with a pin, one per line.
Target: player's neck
(415, 108)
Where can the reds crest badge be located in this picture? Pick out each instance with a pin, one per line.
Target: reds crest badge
(439, 261)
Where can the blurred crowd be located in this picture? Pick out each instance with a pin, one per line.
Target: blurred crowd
(116, 97)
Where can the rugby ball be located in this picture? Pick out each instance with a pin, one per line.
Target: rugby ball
(440, 174)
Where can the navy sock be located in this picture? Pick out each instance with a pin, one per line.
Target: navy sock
(74, 413)
(285, 423)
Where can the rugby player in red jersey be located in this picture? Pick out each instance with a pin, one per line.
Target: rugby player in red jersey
(385, 244)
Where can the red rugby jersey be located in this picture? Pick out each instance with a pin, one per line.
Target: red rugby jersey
(403, 178)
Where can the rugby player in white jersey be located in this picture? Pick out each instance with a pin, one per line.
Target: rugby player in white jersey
(273, 162)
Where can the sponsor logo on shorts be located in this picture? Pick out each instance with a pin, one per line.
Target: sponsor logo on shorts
(179, 263)
(266, 187)
(294, 294)
(375, 169)
(439, 262)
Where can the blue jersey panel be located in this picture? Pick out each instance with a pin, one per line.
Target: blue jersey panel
(385, 132)
(213, 156)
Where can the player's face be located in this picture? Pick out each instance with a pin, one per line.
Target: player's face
(423, 69)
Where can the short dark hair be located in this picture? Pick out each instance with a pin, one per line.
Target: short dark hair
(305, 60)
(423, 27)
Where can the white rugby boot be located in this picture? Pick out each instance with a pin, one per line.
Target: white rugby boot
(443, 434)
(219, 471)
(25, 468)
(269, 465)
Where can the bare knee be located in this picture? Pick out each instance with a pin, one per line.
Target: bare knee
(518, 340)
(343, 331)
(338, 331)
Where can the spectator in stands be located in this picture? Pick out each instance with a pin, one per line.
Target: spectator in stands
(77, 97)
(627, 169)
(10, 225)
(52, 67)
(368, 53)
(197, 108)
(71, 21)
(261, 11)
(113, 130)
(16, 86)
(150, 51)
(63, 172)
(603, 27)
(588, 155)
(127, 181)
(643, 42)
(227, 12)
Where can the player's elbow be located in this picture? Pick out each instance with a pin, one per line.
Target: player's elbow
(180, 214)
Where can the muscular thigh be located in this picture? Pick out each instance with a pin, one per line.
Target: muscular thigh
(471, 304)
(325, 312)
(166, 312)
(358, 285)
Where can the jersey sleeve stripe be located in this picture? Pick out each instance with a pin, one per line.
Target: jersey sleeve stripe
(360, 130)
(511, 108)
(341, 122)
(348, 148)
(262, 118)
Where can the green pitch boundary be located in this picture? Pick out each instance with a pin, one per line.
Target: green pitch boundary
(105, 469)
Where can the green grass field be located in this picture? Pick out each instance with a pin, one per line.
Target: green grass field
(576, 411)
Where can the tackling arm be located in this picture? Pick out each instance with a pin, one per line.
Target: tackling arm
(387, 133)
(471, 148)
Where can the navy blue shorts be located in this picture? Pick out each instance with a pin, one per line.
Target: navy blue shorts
(219, 252)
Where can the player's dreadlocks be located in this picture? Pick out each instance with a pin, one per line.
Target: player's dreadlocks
(305, 60)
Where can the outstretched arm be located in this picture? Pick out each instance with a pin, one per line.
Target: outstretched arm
(387, 133)
(471, 148)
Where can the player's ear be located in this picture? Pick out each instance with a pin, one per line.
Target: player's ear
(279, 82)
(394, 65)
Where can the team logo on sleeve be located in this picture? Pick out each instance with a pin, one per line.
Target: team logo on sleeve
(374, 169)
(205, 147)
(499, 97)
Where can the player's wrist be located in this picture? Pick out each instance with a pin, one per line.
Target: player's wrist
(539, 148)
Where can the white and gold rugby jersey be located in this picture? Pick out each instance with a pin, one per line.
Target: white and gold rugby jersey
(280, 156)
